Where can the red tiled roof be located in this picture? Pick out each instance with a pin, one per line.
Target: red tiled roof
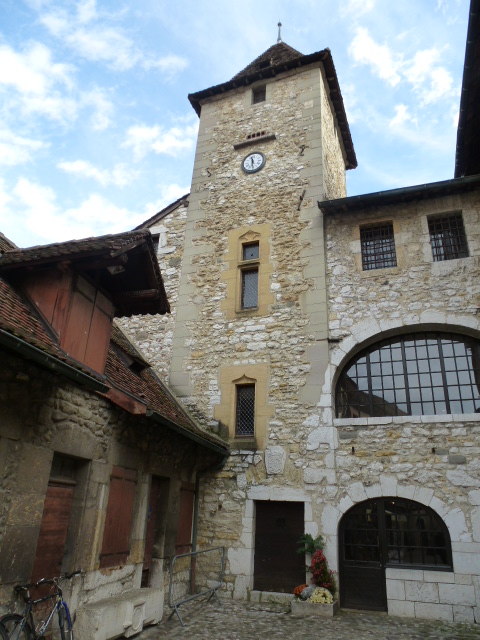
(149, 389)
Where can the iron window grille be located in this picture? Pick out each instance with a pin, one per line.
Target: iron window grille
(378, 246)
(249, 276)
(397, 532)
(414, 374)
(245, 410)
(447, 237)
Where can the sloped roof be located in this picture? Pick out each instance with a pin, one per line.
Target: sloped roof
(277, 54)
(125, 265)
(25, 332)
(278, 58)
(467, 160)
(164, 212)
(150, 390)
(6, 244)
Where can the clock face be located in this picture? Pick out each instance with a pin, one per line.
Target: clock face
(253, 162)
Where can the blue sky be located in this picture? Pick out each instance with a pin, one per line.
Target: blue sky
(96, 131)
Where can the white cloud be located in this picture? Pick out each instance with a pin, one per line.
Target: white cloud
(119, 176)
(143, 139)
(33, 71)
(364, 50)
(34, 84)
(96, 41)
(103, 108)
(15, 150)
(169, 65)
(402, 116)
(41, 214)
(430, 81)
(356, 7)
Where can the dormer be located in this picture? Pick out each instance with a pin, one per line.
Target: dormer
(80, 286)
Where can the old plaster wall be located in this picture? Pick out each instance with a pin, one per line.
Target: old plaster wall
(42, 414)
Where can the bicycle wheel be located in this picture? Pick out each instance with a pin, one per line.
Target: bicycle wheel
(66, 631)
(12, 623)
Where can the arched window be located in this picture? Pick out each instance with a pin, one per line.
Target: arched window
(413, 374)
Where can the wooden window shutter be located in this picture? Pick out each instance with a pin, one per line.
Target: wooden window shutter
(185, 518)
(118, 523)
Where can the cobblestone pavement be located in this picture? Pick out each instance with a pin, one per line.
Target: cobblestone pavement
(246, 621)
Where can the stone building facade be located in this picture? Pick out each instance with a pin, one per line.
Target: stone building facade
(307, 466)
(99, 459)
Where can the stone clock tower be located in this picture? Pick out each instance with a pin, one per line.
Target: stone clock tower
(250, 347)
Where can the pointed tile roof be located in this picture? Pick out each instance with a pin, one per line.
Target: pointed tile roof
(279, 53)
(277, 59)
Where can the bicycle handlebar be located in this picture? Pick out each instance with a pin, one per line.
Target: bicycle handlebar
(66, 576)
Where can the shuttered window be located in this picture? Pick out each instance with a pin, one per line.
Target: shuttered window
(118, 523)
(185, 519)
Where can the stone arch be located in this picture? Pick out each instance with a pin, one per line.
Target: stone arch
(388, 485)
(369, 331)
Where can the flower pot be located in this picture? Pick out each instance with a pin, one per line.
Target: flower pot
(300, 609)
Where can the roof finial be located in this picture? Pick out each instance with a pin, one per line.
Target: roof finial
(279, 39)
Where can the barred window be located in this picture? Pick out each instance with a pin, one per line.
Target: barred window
(245, 419)
(414, 374)
(250, 289)
(378, 246)
(447, 237)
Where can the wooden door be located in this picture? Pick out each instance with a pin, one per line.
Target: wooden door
(278, 567)
(53, 531)
(362, 558)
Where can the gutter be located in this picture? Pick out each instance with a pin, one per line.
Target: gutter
(430, 189)
(50, 362)
(157, 417)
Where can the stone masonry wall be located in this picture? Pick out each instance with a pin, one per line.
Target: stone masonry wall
(154, 334)
(434, 460)
(43, 413)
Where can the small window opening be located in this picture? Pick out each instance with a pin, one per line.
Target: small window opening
(259, 94)
(378, 246)
(447, 237)
(245, 410)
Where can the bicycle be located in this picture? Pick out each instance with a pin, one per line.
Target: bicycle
(3, 632)
(22, 627)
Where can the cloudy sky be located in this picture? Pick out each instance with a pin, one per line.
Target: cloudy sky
(96, 131)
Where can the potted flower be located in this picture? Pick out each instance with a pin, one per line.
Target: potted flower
(319, 598)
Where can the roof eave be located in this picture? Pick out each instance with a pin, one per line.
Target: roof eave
(405, 194)
(324, 57)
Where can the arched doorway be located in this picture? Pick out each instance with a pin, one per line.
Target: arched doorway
(387, 532)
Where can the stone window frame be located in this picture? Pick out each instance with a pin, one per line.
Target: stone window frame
(438, 339)
(237, 239)
(457, 246)
(240, 416)
(357, 251)
(249, 93)
(225, 412)
(384, 255)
